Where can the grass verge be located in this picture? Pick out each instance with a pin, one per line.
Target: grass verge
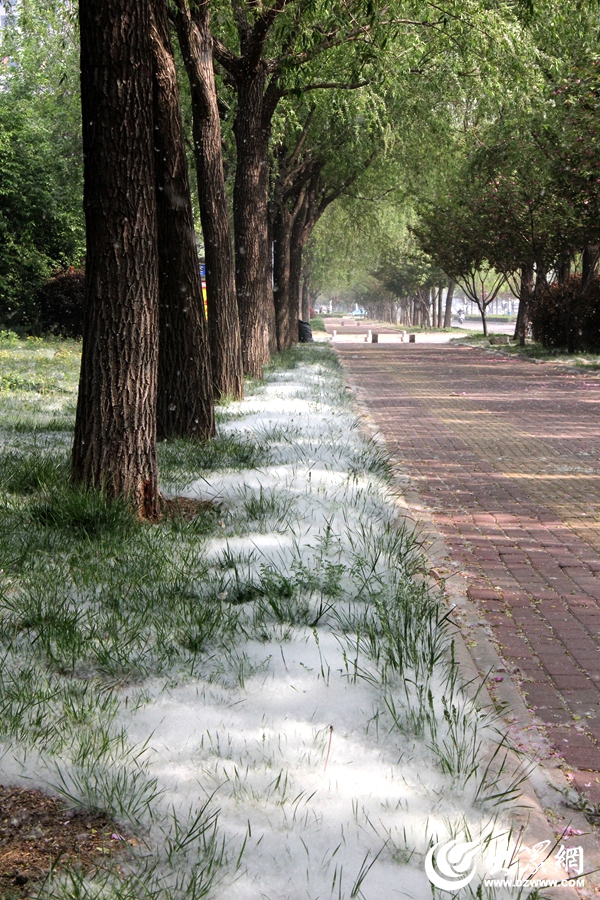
(263, 677)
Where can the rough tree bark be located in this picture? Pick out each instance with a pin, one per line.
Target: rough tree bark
(195, 40)
(185, 405)
(252, 131)
(448, 312)
(439, 307)
(115, 428)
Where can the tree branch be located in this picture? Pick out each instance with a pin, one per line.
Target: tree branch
(326, 85)
(230, 62)
(333, 195)
(328, 43)
(291, 160)
(260, 31)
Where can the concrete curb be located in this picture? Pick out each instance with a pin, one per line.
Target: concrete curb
(544, 806)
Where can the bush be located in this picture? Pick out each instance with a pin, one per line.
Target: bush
(565, 317)
(317, 323)
(41, 221)
(60, 302)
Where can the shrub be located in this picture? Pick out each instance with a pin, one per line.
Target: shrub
(41, 217)
(60, 302)
(568, 318)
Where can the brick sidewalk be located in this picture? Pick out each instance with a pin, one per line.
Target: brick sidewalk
(506, 456)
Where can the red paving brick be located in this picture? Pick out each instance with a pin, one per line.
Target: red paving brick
(505, 454)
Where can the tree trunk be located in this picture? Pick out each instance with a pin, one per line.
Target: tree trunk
(589, 264)
(295, 289)
(427, 308)
(563, 271)
(448, 312)
(483, 318)
(185, 405)
(305, 300)
(223, 320)
(250, 212)
(282, 227)
(115, 428)
(271, 314)
(525, 293)
(439, 307)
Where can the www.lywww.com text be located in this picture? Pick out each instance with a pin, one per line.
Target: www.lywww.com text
(542, 882)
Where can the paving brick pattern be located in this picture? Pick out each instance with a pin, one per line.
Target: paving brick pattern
(506, 456)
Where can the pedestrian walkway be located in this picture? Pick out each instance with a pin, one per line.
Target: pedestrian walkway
(506, 456)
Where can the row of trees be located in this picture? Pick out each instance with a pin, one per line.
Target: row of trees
(505, 190)
(523, 206)
(291, 110)
(149, 364)
(302, 93)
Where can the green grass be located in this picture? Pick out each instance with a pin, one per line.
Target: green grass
(28, 472)
(533, 350)
(181, 461)
(306, 355)
(422, 328)
(38, 385)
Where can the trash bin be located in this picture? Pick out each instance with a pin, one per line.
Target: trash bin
(305, 332)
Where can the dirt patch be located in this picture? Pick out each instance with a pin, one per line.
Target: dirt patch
(36, 831)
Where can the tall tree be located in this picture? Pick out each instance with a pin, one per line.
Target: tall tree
(257, 97)
(115, 429)
(185, 405)
(195, 39)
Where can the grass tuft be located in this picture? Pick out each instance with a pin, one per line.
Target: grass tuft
(28, 473)
(85, 513)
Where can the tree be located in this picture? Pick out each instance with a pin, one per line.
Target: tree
(185, 404)
(251, 78)
(115, 430)
(195, 40)
(452, 236)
